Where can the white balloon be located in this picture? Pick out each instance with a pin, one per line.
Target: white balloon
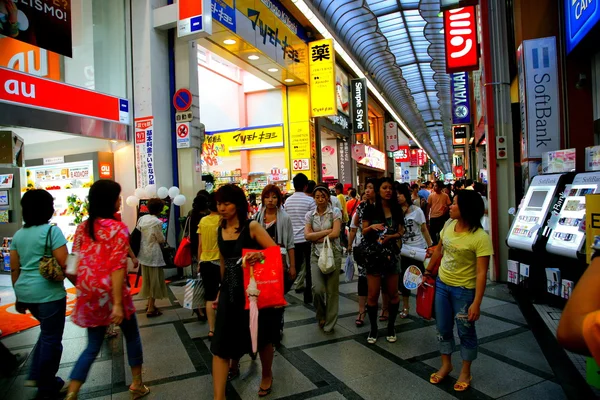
(162, 193)
(173, 192)
(151, 190)
(132, 201)
(140, 193)
(179, 200)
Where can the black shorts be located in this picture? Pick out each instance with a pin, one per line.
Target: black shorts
(211, 278)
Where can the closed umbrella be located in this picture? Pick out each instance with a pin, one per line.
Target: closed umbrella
(253, 293)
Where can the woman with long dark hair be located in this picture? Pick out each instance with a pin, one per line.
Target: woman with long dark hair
(102, 295)
(232, 333)
(465, 250)
(383, 226)
(192, 226)
(46, 300)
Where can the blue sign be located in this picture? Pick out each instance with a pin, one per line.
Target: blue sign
(196, 24)
(581, 17)
(461, 98)
(224, 13)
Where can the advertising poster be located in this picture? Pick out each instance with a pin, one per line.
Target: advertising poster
(342, 88)
(42, 23)
(322, 78)
(144, 151)
(345, 171)
(163, 216)
(592, 218)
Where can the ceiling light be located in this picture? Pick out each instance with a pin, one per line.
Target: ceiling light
(253, 57)
(272, 70)
(289, 80)
(229, 41)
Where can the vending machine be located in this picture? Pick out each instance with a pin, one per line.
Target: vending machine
(566, 228)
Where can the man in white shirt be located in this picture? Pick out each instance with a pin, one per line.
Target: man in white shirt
(297, 206)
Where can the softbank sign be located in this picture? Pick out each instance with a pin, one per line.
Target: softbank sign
(539, 75)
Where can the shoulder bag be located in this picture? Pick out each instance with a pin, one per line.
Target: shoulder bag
(49, 266)
(183, 256)
(326, 262)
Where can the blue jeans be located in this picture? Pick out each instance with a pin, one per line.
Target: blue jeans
(452, 303)
(48, 349)
(129, 327)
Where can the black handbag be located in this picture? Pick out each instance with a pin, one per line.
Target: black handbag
(168, 253)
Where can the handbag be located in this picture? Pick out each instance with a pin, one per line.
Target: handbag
(168, 253)
(183, 256)
(73, 260)
(193, 296)
(326, 261)
(49, 267)
(269, 278)
(413, 252)
(426, 297)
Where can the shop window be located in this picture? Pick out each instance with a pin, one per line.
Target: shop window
(99, 50)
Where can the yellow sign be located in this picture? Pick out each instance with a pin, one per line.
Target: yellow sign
(271, 30)
(592, 218)
(322, 78)
(251, 138)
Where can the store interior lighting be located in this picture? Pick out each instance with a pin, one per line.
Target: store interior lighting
(273, 70)
(289, 80)
(229, 41)
(316, 22)
(253, 57)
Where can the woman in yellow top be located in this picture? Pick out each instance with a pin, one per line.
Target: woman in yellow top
(465, 249)
(209, 266)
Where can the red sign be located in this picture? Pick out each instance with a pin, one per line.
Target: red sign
(421, 157)
(459, 171)
(105, 170)
(414, 160)
(402, 154)
(182, 100)
(460, 36)
(32, 91)
(182, 131)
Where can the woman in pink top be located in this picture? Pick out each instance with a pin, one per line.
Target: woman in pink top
(102, 295)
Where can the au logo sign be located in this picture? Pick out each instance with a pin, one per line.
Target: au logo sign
(322, 78)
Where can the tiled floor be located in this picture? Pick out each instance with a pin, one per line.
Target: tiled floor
(309, 364)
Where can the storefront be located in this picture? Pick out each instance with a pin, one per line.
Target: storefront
(65, 107)
(335, 160)
(371, 163)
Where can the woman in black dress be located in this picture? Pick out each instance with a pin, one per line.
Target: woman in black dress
(383, 227)
(232, 333)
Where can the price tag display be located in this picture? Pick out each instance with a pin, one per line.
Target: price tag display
(302, 164)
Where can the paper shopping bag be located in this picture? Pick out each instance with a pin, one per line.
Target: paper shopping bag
(426, 297)
(193, 297)
(269, 278)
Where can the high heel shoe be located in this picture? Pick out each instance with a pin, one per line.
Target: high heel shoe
(140, 392)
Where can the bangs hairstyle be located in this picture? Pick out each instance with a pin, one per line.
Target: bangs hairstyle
(397, 214)
(403, 189)
(323, 190)
(233, 194)
(103, 198)
(272, 189)
(470, 205)
(372, 181)
(37, 206)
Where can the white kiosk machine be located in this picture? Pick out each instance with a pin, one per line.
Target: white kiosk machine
(567, 227)
(534, 211)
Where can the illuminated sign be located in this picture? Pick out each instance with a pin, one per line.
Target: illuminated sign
(461, 98)
(460, 36)
(322, 78)
(360, 122)
(402, 155)
(459, 135)
(391, 136)
(251, 138)
(580, 17)
(369, 156)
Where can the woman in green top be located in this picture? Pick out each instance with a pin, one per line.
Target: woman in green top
(465, 249)
(46, 300)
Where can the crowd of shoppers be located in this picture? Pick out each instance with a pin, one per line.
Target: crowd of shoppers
(388, 218)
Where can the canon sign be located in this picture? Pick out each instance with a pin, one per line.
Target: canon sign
(541, 109)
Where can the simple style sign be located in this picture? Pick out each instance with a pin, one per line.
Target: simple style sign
(460, 36)
(360, 120)
(461, 98)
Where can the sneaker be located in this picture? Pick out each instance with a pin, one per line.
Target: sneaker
(391, 339)
(371, 339)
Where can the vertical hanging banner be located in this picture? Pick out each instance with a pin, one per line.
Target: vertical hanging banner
(414, 158)
(144, 151)
(461, 98)
(322, 78)
(402, 155)
(42, 23)
(391, 136)
(345, 159)
(194, 19)
(460, 36)
(360, 117)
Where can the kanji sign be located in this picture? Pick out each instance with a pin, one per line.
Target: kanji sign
(322, 78)
(144, 151)
(460, 36)
(251, 138)
(402, 154)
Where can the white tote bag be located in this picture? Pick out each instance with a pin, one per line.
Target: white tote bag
(326, 263)
(193, 294)
(413, 252)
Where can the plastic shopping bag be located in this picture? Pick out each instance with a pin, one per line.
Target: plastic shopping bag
(183, 257)
(194, 294)
(326, 262)
(349, 268)
(269, 278)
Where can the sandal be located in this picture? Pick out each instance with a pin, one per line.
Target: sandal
(462, 386)
(360, 320)
(265, 392)
(436, 379)
(404, 313)
(383, 318)
(155, 313)
(139, 393)
(232, 375)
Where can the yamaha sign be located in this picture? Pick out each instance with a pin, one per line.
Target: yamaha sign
(461, 98)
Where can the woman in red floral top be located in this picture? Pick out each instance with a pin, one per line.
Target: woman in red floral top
(102, 295)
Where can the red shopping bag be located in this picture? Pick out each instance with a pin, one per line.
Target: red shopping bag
(183, 257)
(425, 297)
(269, 278)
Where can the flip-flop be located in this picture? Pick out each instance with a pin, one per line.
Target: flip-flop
(139, 393)
(462, 386)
